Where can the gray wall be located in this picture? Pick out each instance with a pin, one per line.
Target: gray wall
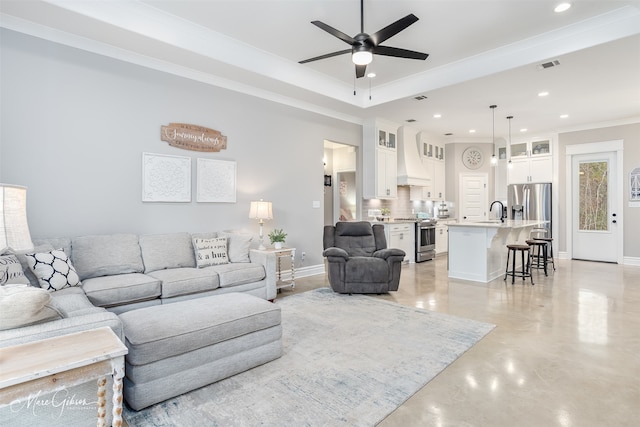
(630, 134)
(75, 125)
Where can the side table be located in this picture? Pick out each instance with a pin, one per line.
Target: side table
(288, 253)
(53, 364)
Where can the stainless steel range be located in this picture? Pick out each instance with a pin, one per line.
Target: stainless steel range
(425, 240)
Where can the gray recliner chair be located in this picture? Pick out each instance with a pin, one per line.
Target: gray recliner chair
(359, 260)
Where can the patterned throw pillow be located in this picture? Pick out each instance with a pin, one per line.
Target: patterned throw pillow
(53, 270)
(210, 251)
(11, 271)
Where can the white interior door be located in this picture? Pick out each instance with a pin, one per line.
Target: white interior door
(474, 198)
(595, 230)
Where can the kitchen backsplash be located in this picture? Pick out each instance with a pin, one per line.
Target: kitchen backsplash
(402, 207)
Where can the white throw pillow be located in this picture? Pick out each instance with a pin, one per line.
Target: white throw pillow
(238, 246)
(22, 305)
(53, 270)
(11, 271)
(210, 251)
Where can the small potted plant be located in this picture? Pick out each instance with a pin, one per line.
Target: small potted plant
(277, 237)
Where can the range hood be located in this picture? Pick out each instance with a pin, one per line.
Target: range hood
(411, 171)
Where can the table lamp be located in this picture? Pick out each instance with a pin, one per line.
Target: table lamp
(14, 229)
(261, 210)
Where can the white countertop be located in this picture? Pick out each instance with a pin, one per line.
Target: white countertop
(495, 223)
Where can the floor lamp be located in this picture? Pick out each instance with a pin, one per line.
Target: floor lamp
(14, 229)
(261, 211)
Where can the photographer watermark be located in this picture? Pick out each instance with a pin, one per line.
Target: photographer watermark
(53, 405)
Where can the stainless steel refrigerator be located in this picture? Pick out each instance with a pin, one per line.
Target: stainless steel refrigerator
(530, 201)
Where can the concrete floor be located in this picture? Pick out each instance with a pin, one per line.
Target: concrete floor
(565, 352)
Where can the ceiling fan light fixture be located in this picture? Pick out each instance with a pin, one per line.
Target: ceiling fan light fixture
(362, 57)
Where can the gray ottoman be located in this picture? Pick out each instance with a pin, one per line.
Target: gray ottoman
(181, 346)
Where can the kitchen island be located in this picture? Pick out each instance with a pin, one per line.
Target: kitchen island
(477, 250)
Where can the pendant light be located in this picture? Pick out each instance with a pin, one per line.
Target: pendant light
(494, 159)
(510, 165)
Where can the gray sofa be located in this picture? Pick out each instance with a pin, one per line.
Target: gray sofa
(121, 273)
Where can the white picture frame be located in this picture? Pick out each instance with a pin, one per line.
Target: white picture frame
(166, 178)
(216, 181)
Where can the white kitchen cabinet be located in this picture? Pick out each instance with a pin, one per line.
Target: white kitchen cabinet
(380, 164)
(525, 170)
(532, 161)
(402, 236)
(442, 240)
(438, 180)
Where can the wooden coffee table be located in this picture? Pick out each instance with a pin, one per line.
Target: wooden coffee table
(55, 363)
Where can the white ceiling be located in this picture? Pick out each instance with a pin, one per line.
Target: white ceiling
(482, 52)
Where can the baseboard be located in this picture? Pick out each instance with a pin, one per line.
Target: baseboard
(628, 260)
(563, 255)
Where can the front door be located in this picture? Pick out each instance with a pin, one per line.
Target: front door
(595, 220)
(474, 199)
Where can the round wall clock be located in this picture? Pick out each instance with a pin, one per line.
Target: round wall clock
(472, 158)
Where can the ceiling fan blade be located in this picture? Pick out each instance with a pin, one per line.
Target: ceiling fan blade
(360, 70)
(399, 53)
(336, 33)
(328, 55)
(393, 29)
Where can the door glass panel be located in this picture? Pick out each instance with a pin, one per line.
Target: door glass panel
(593, 196)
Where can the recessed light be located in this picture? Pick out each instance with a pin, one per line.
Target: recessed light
(543, 93)
(371, 75)
(564, 116)
(562, 7)
(437, 116)
(472, 131)
(523, 130)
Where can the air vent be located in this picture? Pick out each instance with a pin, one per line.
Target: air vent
(448, 134)
(410, 120)
(549, 64)
(420, 97)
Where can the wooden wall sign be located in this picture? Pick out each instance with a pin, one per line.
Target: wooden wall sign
(193, 137)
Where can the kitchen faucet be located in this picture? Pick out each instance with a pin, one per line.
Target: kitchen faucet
(501, 209)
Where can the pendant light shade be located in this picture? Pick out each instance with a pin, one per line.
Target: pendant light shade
(494, 159)
(14, 229)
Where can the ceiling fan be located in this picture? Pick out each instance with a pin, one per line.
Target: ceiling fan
(364, 46)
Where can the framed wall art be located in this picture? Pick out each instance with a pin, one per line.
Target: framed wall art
(166, 178)
(216, 181)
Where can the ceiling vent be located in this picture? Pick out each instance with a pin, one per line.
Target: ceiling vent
(549, 64)
(410, 120)
(420, 97)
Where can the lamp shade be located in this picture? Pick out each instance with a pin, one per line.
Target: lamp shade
(260, 210)
(14, 229)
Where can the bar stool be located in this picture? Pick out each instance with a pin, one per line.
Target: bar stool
(515, 248)
(538, 246)
(549, 242)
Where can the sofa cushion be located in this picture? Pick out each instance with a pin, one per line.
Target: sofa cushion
(11, 271)
(72, 302)
(22, 305)
(238, 273)
(53, 269)
(162, 251)
(237, 246)
(184, 281)
(107, 291)
(160, 332)
(210, 251)
(106, 255)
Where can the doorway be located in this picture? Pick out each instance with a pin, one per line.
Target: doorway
(474, 197)
(342, 196)
(595, 216)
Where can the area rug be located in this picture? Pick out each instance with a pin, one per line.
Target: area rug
(348, 361)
